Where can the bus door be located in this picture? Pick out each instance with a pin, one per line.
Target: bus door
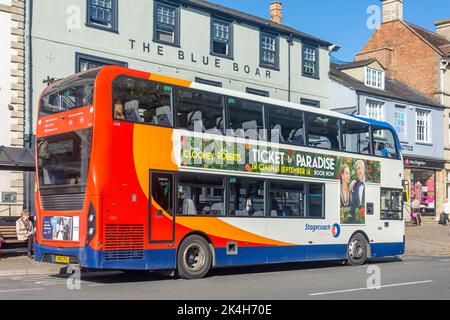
(161, 219)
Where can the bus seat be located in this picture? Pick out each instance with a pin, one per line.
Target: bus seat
(217, 209)
(164, 115)
(132, 111)
(258, 214)
(297, 137)
(214, 131)
(196, 121)
(250, 129)
(276, 132)
(250, 125)
(218, 129)
(273, 213)
(241, 213)
(189, 208)
(239, 133)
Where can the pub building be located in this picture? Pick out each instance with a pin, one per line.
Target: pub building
(193, 40)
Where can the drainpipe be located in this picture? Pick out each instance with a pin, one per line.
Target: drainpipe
(29, 76)
(444, 65)
(28, 137)
(290, 41)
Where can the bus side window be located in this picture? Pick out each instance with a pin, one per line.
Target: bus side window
(286, 126)
(323, 132)
(246, 119)
(355, 137)
(144, 101)
(385, 144)
(200, 111)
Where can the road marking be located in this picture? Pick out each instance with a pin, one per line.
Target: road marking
(362, 289)
(18, 290)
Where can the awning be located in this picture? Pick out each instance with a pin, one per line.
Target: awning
(16, 159)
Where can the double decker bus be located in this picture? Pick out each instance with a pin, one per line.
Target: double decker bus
(139, 171)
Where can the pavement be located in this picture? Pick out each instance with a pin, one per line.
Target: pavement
(20, 265)
(429, 239)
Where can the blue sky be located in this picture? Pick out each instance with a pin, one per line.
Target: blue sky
(341, 21)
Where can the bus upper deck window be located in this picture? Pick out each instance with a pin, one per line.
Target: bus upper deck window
(355, 137)
(142, 101)
(323, 132)
(201, 111)
(385, 143)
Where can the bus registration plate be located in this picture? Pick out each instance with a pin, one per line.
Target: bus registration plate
(62, 259)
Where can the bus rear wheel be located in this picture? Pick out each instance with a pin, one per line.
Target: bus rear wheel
(194, 258)
(357, 250)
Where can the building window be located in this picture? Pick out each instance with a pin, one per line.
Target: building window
(400, 123)
(310, 61)
(85, 62)
(423, 126)
(257, 92)
(221, 38)
(269, 50)
(166, 24)
(374, 110)
(310, 103)
(374, 78)
(102, 14)
(208, 82)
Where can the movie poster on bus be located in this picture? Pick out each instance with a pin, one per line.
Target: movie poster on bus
(353, 175)
(229, 155)
(61, 228)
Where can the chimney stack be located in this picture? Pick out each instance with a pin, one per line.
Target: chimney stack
(276, 12)
(392, 10)
(443, 28)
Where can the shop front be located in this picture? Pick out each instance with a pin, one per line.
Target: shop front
(422, 180)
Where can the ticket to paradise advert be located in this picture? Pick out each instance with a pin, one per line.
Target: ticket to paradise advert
(226, 155)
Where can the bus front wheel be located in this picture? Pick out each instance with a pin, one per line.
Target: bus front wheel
(357, 250)
(194, 258)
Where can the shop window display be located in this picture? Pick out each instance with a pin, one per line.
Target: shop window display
(423, 185)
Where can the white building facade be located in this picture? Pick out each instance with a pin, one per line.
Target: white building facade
(12, 103)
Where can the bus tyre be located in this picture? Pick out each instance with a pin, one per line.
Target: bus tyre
(194, 258)
(357, 250)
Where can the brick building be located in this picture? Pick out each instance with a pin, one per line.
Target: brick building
(419, 58)
(12, 102)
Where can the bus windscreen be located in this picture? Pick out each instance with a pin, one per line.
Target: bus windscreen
(63, 160)
(71, 93)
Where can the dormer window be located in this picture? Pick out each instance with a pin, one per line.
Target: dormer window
(374, 78)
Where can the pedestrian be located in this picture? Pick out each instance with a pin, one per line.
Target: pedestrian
(1, 243)
(25, 230)
(446, 213)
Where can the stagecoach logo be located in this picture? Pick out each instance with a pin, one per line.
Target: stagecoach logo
(336, 230)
